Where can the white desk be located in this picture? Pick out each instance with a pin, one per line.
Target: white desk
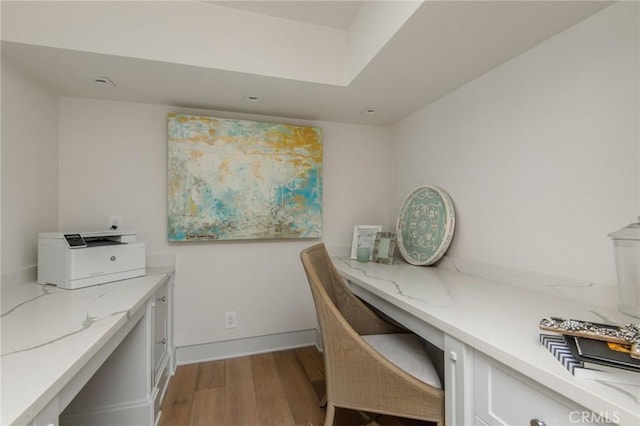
(54, 340)
(475, 320)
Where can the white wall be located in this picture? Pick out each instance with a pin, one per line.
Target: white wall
(541, 155)
(29, 166)
(113, 160)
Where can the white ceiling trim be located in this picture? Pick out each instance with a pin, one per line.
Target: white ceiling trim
(156, 53)
(334, 14)
(189, 33)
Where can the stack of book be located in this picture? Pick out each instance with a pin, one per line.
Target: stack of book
(594, 359)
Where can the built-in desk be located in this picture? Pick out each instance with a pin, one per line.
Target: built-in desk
(56, 342)
(496, 371)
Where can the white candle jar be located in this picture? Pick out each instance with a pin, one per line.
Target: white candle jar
(626, 244)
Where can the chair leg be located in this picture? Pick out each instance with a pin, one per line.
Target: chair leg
(369, 420)
(331, 412)
(323, 401)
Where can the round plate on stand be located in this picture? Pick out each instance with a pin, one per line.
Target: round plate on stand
(425, 225)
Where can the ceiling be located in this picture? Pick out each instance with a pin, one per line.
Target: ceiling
(335, 14)
(441, 47)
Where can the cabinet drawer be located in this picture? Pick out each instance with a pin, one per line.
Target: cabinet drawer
(160, 318)
(160, 390)
(160, 342)
(506, 397)
(161, 299)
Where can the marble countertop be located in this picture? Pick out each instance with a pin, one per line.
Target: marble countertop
(500, 320)
(49, 334)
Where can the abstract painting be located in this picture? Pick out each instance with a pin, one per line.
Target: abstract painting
(237, 179)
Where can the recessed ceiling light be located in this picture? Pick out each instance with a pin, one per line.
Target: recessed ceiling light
(104, 81)
(254, 99)
(368, 111)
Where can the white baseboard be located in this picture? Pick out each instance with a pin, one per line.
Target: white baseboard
(248, 346)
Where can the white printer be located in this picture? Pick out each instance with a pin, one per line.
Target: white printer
(76, 260)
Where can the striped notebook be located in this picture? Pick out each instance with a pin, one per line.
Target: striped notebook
(558, 347)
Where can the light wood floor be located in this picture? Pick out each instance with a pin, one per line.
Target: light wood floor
(277, 389)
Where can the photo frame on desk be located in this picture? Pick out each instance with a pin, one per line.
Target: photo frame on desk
(364, 236)
(384, 248)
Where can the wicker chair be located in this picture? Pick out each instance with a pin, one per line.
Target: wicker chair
(370, 364)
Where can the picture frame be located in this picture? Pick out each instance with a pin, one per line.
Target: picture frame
(364, 236)
(384, 248)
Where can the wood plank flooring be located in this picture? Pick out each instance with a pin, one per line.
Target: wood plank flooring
(272, 389)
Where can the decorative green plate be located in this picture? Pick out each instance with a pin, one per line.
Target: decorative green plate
(425, 225)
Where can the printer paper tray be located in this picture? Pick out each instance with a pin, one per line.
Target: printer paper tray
(102, 242)
(102, 279)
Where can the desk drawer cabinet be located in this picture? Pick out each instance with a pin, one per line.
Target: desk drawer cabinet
(160, 327)
(162, 349)
(506, 397)
(160, 390)
(128, 387)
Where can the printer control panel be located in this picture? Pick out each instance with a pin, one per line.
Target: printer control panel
(75, 240)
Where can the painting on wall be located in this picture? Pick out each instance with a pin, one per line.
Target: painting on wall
(237, 179)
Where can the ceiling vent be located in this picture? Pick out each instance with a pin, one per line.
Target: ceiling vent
(104, 82)
(252, 99)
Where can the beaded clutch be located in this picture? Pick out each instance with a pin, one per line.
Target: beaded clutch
(625, 335)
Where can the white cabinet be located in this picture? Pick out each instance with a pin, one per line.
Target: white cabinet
(162, 348)
(505, 397)
(48, 416)
(458, 378)
(128, 388)
(479, 421)
(160, 327)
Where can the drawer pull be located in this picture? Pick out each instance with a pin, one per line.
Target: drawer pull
(537, 422)
(164, 342)
(163, 298)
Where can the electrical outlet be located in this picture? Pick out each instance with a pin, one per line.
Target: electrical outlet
(115, 222)
(230, 319)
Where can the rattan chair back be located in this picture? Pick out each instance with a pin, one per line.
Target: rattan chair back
(357, 376)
